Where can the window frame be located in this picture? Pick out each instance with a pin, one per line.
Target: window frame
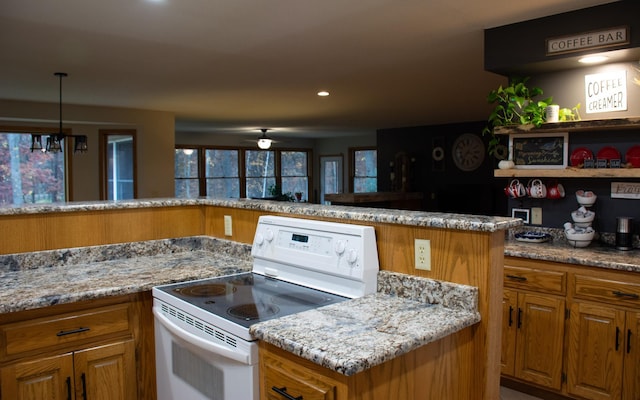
(103, 135)
(242, 164)
(352, 165)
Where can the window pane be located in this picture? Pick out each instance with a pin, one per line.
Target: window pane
(366, 171)
(29, 177)
(186, 163)
(119, 167)
(222, 173)
(187, 188)
(260, 172)
(294, 173)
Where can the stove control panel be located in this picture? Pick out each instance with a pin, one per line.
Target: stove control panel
(328, 254)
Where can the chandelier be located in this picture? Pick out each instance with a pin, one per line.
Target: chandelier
(53, 143)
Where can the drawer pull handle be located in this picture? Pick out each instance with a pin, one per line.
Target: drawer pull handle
(623, 294)
(517, 278)
(617, 338)
(71, 332)
(519, 317)
(283, 392)
(628, 341)
(83, 377)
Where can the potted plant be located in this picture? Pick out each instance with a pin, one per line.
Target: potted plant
(515, 104)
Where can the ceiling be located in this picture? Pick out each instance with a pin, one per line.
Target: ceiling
(234, 66)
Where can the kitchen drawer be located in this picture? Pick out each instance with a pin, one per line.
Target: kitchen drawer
(535, 279)
(606, 290)
(65, 329)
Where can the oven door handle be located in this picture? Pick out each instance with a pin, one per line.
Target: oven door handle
(206, 345)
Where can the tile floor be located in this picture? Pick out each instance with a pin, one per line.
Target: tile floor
(509, 394)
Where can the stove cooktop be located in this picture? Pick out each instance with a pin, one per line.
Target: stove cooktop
(248, 298)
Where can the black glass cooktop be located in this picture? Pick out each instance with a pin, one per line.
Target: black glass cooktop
(249, 298)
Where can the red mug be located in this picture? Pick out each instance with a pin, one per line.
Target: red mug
(555, 191)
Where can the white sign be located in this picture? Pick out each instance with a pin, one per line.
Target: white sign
(588, 40)
(606, 92)
(625, 190)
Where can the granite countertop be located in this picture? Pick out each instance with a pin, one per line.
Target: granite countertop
(405, 313)
(46, 278)
(601, 253)
(401, 217)
(350, 337)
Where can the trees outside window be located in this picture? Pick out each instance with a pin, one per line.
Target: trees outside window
(223, 180)
(365, 170)
(29, 177)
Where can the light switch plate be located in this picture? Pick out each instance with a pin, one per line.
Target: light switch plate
(536, 216)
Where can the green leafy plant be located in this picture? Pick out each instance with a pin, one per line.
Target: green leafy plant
(569, 114)
(514, 105)
(276, 192)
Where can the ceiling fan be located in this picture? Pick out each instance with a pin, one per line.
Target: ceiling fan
(264, 141)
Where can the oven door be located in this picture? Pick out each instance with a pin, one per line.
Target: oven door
(195, 361)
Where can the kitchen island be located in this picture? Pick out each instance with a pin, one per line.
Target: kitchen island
(465, 249)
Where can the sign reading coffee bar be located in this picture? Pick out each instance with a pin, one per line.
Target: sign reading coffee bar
(588, 41)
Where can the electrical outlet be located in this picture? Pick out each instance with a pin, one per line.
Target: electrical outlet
(536, 216)
(423, 254)
(228, 231)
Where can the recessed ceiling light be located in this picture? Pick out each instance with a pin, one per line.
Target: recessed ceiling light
(323, 93)
(593, 59)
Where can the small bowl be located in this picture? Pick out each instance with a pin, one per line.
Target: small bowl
(580, 238)
(586, 198)
(580, 217)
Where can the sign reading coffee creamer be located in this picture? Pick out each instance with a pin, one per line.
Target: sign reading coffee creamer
(588, 41)
(606, 92)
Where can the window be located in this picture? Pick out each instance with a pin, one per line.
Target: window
(330, 175)
(118, 166)
(295, 174)
(260, 171)
(223, 180)
(365, 170)
(240, 172)
(187, 178)
(26, 176)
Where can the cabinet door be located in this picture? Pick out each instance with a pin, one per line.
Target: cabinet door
(631, 380)
(106, 372)
(540, 324)
(508, 349)
(46, 378)
(596, 350)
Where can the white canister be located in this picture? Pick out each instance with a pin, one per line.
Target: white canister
(552, 113)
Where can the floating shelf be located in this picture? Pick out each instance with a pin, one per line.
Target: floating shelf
(573, 126)
(569, 173)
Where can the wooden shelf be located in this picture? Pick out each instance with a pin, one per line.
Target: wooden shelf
(573, 126)
(569, 173)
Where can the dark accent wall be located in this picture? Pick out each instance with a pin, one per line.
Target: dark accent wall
(520, 48)
(446, 188)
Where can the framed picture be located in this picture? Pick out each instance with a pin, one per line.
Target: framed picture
(522, 213)
(539, 150)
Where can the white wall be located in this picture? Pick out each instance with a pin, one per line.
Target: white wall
(155, 142)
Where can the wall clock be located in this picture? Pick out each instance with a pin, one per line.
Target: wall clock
(468, 152)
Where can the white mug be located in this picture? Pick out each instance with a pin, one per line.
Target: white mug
(552, 113)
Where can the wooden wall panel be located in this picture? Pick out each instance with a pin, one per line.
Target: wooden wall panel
(35, 232)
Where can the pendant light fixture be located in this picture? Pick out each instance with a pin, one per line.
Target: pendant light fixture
(264, 141)
(54, 141)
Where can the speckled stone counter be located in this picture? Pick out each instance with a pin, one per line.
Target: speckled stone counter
(45, 278)
(363, 214)
(350, 337)
(598, 254)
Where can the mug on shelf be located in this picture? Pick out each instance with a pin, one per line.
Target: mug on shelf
(555, 191)
(515, 189)
(537, 189)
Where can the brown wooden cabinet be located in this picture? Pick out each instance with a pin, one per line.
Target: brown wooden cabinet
(67, 353)
(599, 340)
(604, 338)
(105, 372)
(533, 331)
